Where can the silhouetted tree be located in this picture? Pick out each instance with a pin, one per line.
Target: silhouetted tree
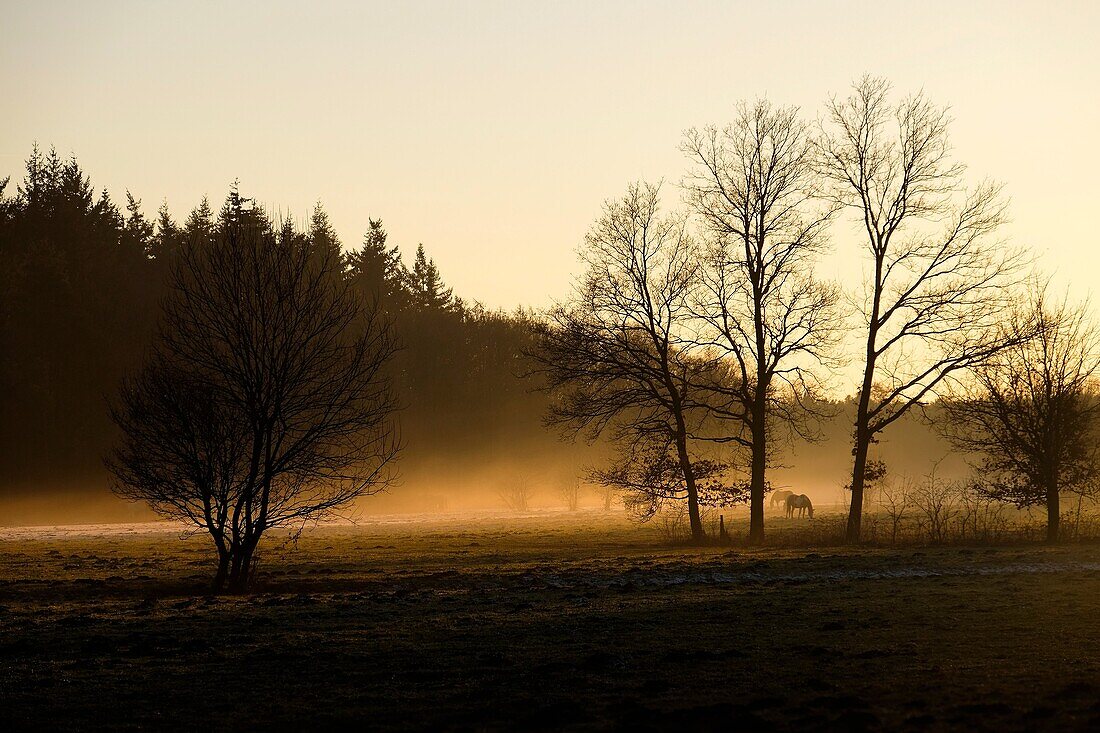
(199, 227)
(166, 242)
(139, 229)
(426, 287)
(940, 281)
(755, 188)
(612, 356)
(376, 271)
(1033, 412)
(323, 240)
(260, 406)
(570, 492)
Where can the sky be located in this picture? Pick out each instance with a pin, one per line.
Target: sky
(492, 132)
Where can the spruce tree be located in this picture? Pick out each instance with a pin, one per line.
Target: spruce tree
(167, 240)
(429, 292)
(376, 272)
(199, 226)
(323, 241)
(138, 228)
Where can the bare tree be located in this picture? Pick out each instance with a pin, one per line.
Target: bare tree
(1033, 412)
(613, 355)
(755, 188)
(981, 517)
(896, 501)
(260, 406)
(571, 493)
(937, 506)
(515, 492)
(939, 278)
(607, 495)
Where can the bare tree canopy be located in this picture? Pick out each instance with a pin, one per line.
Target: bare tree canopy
(939, 281)
(264, 403)
(613, 356)
(755, 187)
(1032, 412)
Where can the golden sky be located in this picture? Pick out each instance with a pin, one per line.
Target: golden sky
(492, 131)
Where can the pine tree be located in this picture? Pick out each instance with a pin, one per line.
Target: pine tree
(241, 211)
(138, 229)
(199, 226)
(323, 241)
(427, 287)
(168, 238)
(376, 272)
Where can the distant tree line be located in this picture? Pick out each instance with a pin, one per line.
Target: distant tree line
(78, 296)
(81, 284)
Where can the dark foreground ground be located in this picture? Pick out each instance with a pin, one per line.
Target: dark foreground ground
(583, 623)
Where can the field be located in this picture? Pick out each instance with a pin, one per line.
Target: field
(581, 621)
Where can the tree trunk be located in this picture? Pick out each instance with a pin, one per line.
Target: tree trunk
(863, 437)
(223, 572)
(698, 535)
(863, 434)
(859, 474)
(760, 396)
(235, 583)
(1054, 515)
(756, 489)
(241, 567)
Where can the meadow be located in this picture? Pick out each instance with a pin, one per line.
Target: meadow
(544, 620)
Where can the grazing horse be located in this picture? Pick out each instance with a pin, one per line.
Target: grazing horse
(802, 503)
(779, 498)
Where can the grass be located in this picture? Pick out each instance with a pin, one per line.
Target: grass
(544, 621)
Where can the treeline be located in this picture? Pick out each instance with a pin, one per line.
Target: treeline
(82, 283)
(78, 301)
